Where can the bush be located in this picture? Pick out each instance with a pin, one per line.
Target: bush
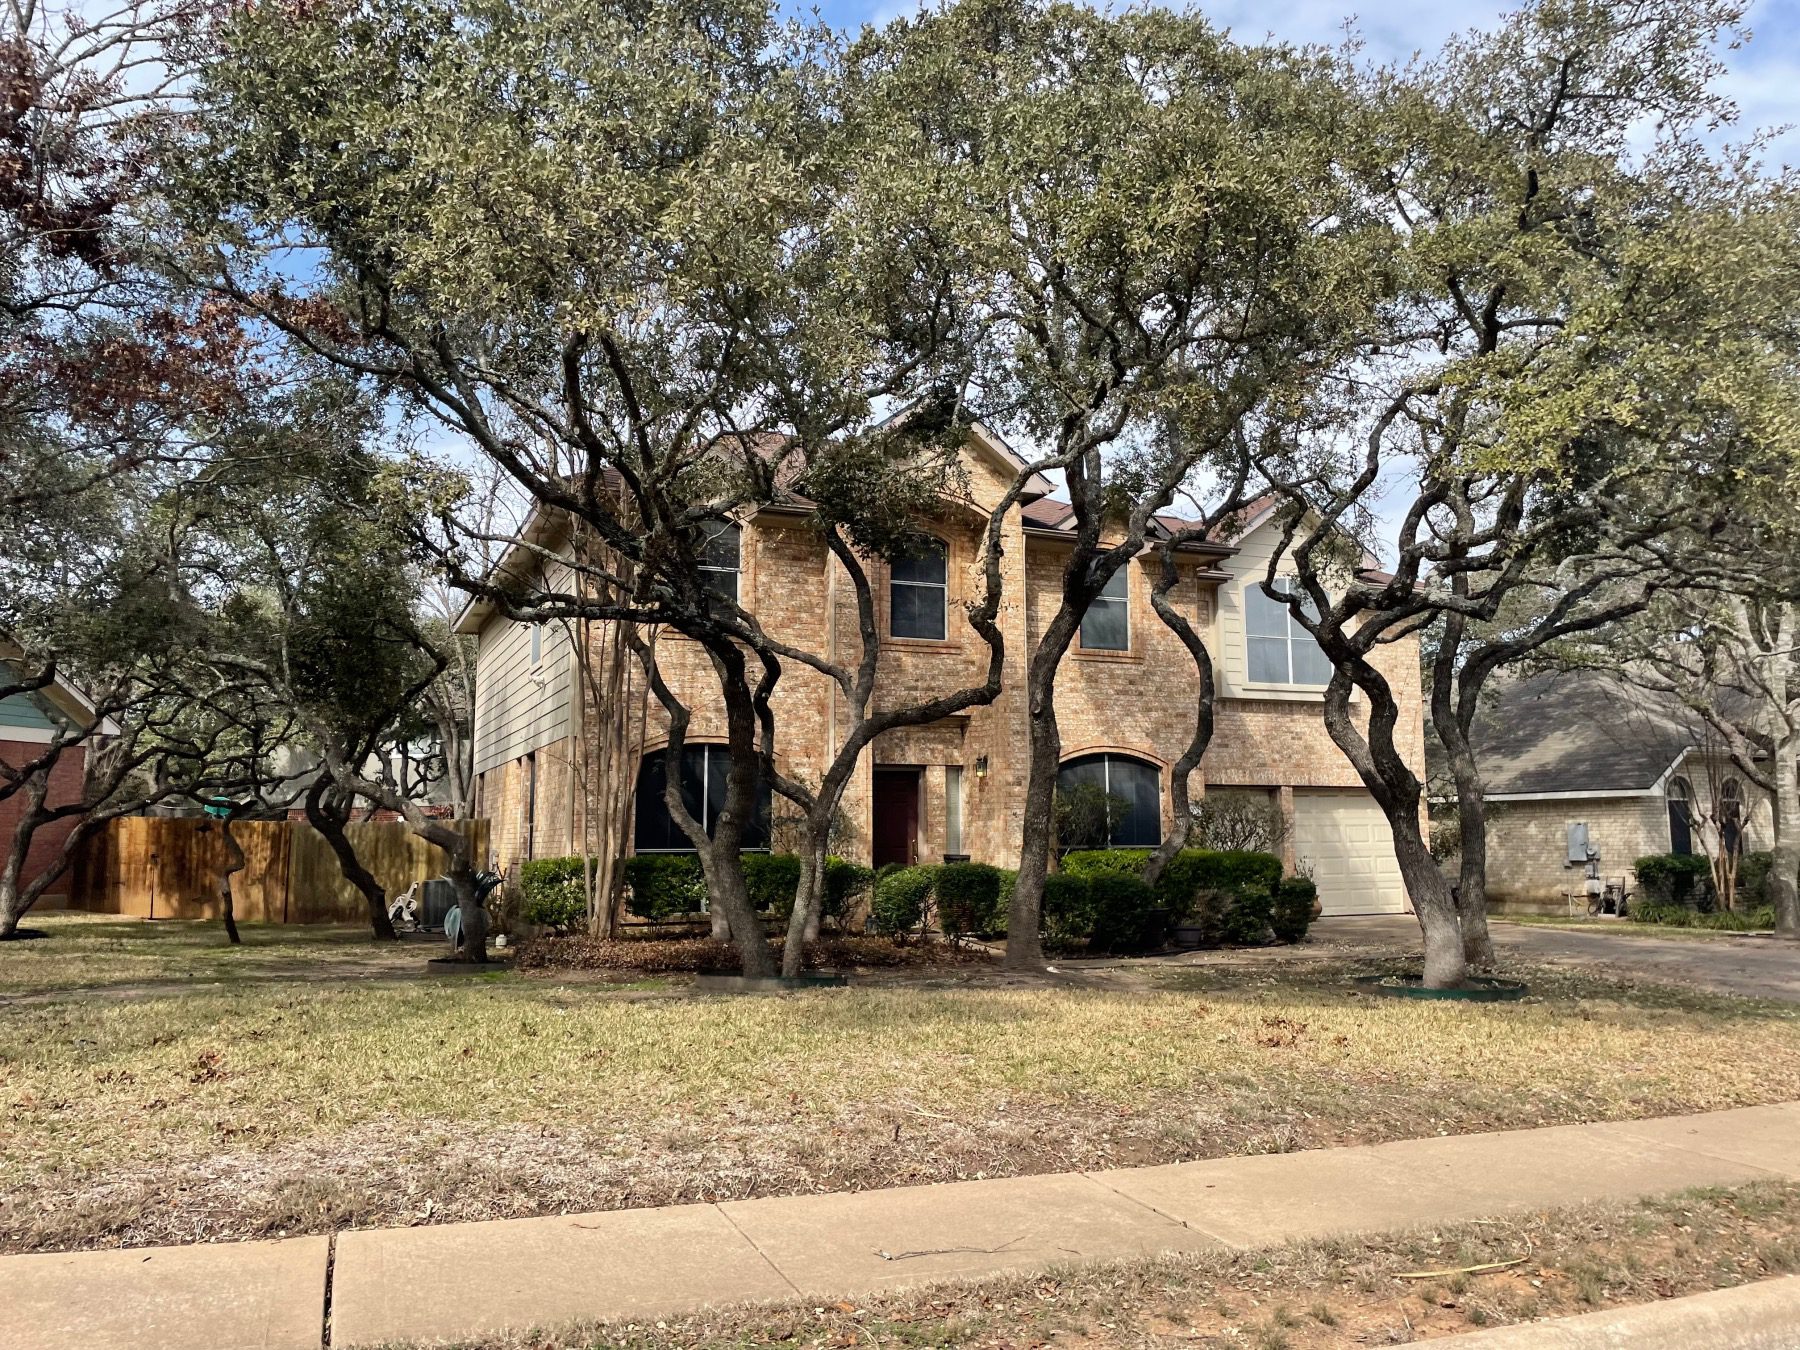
(1189, 872)
(555, 894)
(1724, 921)
(1127, 916)
(1753, 879)
(900, 896)
(968, 894)
(1249, 915)
(664, 886)
(1675, 879)
(772, 880)
(1067, 913)
(844, 882)
(1294, 899)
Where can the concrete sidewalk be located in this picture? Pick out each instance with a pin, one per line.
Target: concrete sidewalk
(457, 1281)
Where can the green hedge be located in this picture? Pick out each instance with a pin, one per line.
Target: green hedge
(1067, 914)
(1189, 872)
(1753, 879)
(772, 879)
(1127, 914)
(900, 896)
(555, 894)
(844, 882)
(1675, 879)
(664, 886)
(1294, 900)
(968, 898)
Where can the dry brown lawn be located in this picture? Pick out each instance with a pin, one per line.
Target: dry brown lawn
(276, 1098)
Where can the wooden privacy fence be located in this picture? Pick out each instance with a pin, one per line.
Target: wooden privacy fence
(170, 869)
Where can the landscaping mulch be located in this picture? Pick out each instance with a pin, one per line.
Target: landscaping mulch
(705, 956)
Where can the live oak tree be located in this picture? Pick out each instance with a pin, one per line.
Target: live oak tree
(1170, 240)
(1547, 386)
(629, 253)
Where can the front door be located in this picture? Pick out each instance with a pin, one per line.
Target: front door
(896, 816)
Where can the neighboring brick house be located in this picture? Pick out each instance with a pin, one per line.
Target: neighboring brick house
(28, 724)
(1125, 697)
(1583, 768)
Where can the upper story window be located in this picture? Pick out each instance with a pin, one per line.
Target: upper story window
(537, 643)
(721, 554)
(704, 769)
(1106, 627)
(1281, 650)
(919, 590)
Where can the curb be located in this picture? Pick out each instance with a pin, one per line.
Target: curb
(1761, 1316)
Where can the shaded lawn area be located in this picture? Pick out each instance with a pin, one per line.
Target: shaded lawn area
(95, 951)
(1628, 927)
(251, 1107)
(1311, 1296)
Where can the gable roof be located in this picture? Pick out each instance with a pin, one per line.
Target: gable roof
(1578, 733)
(60, 695)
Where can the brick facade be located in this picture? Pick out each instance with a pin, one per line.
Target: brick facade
(1139, 702)
(47, 840)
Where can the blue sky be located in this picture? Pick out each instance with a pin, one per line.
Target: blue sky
(1764, 75)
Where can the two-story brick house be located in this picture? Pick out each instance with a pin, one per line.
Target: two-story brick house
(1125, 697)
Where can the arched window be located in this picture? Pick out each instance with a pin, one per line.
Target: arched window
(919, 589)
(1681, 820)
(703, 773)
(721, 557)
(1731, 815)
(1130, 791)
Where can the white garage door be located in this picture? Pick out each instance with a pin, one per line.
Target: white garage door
(1345, 840)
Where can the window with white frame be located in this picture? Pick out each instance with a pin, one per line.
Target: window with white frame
(721, 556)
(1106, 627)
(1281, 651)
(919, 589)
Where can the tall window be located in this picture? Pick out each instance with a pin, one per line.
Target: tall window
(953, 842)
(531, 805)
(721, 554)
(919, 590)
(1106, 627)
(703, 773)
(1731, 815)
(1281, 650)
(1681, 820)
(1132, 794)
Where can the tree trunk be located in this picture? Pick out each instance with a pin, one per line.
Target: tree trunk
(234, 863)
(1024, 940)
(329, 820)
(1784, 856)
(10, 909)
(809, 897)
(1181, 812)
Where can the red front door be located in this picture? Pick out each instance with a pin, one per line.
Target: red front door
(896, 816)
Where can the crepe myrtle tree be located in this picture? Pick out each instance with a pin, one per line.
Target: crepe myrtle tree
(1540, 380)
(637, 258)
(1170, 236)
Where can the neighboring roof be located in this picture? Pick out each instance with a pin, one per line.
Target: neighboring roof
(68, 698)
(1579, 733)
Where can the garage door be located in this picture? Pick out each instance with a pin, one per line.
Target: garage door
(1345, 840)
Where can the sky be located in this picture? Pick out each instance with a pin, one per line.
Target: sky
(1764, 76)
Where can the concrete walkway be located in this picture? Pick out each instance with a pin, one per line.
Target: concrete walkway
(456, 1281)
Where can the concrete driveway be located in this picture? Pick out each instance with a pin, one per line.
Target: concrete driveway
(1756, 967)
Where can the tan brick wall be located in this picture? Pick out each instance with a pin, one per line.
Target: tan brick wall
(1141, 702)
(1528, 843)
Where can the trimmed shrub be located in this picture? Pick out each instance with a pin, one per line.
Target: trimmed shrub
(1249, 916)
(1293, 912)
(967, 895)
(1675, 879)
(900, 896)
(1753, 879)
(1724, 921)
(1189, 872)
(844, 882)
(664, 886)
(1009, 878)
(1067, 914)
(1127, 917)
(554, 894)
(772, 880)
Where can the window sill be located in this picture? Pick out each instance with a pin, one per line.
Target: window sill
(907, 644)
(1102, 654)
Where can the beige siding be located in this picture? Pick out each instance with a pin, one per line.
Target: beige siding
(1247, 569)
(519, 706)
